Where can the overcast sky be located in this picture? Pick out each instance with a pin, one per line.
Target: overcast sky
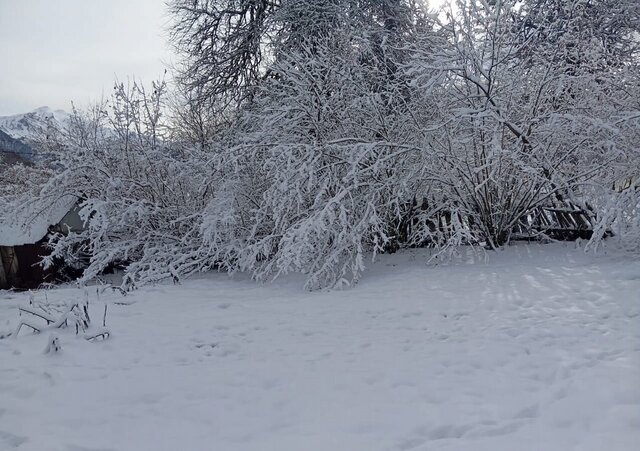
(55, 51)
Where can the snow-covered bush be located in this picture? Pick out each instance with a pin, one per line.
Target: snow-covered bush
(324, 162)
(140, 193)
(517, 126)
(620, 215)
(370, 128)
(309, 134)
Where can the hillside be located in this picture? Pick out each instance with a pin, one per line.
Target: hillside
(18, 131)
(13, 150)
(28, 125)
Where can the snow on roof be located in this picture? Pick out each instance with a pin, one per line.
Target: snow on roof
(30, 223)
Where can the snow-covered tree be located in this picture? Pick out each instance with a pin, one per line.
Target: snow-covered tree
(321, 157)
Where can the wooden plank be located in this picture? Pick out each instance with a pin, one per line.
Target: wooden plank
(4, 283)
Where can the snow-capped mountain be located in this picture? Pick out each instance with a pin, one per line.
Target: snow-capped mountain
(27, 125)
(17, 130)
(13, 150)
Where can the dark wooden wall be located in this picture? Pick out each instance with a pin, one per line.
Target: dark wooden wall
(21, 266)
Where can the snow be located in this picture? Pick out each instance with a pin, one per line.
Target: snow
(32, 222)
(533, 348)
(26, 125)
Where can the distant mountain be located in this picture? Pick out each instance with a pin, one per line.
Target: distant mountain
(13, 150)
(16, 132)
(28, 125)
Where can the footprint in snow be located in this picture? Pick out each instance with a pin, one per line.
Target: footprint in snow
(206, 348)
(505, 429)
(527, 412)
(449, 431)
(86, 448)
(425, 434)
(11, 440)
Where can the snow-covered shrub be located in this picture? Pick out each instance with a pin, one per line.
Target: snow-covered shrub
(620, 215)
(311, 133)
(517, 125)
(140, 193)
(360, 140)
(323, 164)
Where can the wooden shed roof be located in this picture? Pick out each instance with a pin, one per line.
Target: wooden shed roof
(30, 223)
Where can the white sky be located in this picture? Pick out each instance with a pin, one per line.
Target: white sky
(53, 52)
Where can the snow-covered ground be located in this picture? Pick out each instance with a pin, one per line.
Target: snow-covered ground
(536, 349)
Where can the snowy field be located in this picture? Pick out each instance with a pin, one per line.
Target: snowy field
(536, 349)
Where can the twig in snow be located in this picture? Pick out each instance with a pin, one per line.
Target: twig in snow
(101, 333)
(36, 329)
(54, 345)
(45, 316)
